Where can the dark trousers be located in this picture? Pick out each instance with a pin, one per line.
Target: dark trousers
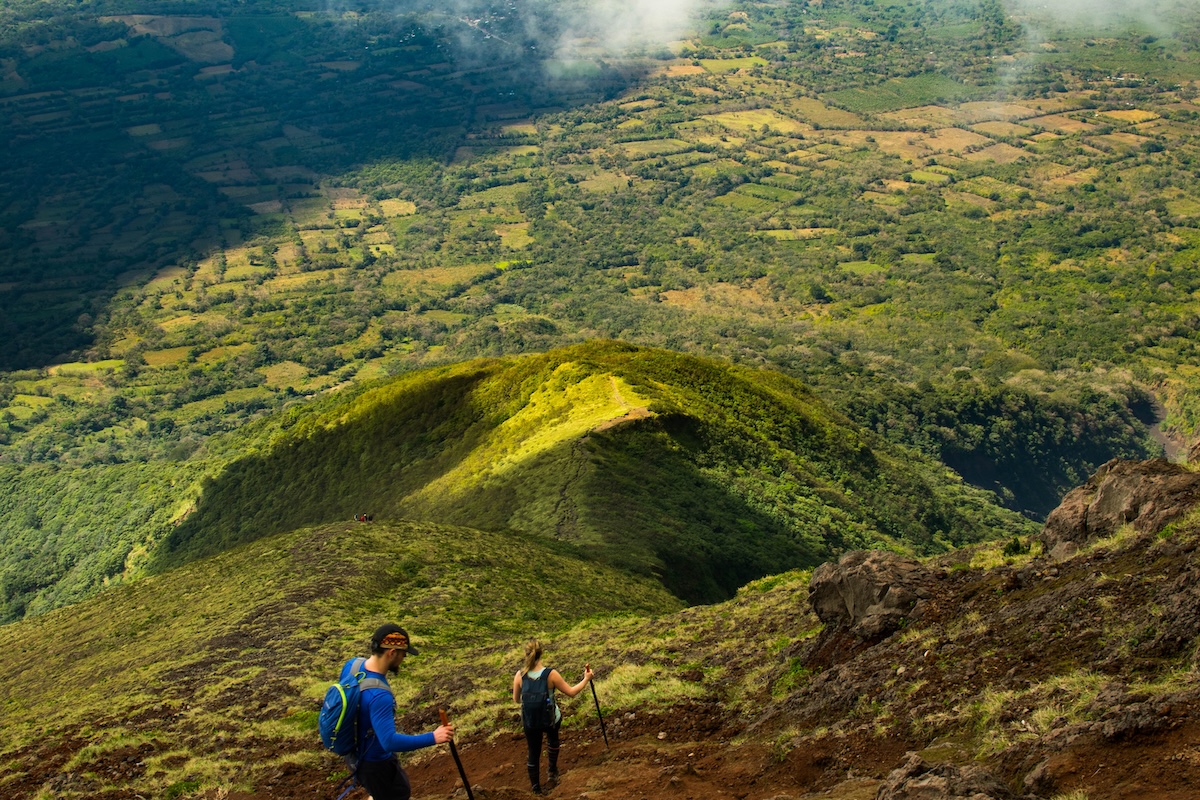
(385, 780)
(534, 763)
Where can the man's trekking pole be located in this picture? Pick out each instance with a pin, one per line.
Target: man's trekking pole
(603, 732)
(458, 761)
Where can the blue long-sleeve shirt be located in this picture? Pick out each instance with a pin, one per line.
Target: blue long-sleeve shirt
(377, 713)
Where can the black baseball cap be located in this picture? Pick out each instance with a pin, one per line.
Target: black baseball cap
(392, 637)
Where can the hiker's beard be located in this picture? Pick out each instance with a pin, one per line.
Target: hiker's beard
(394, 668)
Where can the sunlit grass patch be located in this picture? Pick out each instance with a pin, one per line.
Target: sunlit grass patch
(436, 276)
(465, 154)
(862, 267)
(1001, 128)
(1062, 699)
(497, 195)
(162, 358)
(1001, 153)
(680, 70)
(212, 404)
(648, 686)
(981, 111)
(515, 236)
(397, 208)
(719, 66)
(445, 317)
(108, 741)
(986, 712)
(899, 93)
(814, 111)
(971, 624)
(225, 351)
(744, 201)
(244, 272)
(83, 369)
(654, 147)
(991, 188)
(757, 120)
(604, 182)
(710, 169)
(1061, 123)
(167, 278)
(298, 280)
(1130, 115)
(1121, 537)
(33, 401)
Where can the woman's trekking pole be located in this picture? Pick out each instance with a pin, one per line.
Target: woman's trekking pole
(458, 761)
(603, 732)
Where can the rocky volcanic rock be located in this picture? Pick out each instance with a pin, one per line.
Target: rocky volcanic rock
(1144, 494)
(918, 780)
(869, 592)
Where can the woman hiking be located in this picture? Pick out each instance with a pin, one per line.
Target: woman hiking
(533, 687)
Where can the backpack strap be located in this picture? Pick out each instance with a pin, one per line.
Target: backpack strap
(373, 683)
(365, 683)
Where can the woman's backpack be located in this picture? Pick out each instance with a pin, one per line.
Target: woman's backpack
(537, 703)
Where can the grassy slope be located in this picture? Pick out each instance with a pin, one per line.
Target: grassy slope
(207, 679)
(705, 474)
(175, 666)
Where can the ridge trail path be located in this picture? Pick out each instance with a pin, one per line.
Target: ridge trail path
(639, 765)
(683, 754)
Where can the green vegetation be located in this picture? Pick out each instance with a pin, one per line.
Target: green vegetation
(185, 652)
(170, 696)
(703, 474)
(977, 241)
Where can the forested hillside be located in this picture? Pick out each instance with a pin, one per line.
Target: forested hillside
(970, 226)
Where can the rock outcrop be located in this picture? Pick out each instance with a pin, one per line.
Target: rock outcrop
(1146, 495)
(868, 592)
(918, 780)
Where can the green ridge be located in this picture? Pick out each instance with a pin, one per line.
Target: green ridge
(704, 474)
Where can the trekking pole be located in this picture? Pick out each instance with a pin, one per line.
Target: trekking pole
(458, 761)
(592, 684)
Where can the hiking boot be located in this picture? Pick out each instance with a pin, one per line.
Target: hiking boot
(552, 779)
(534, 784)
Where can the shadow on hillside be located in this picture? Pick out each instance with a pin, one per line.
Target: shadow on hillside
(123, 161)
(634, 496)
(334, 473)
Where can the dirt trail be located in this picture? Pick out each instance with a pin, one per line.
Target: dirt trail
(640, 768)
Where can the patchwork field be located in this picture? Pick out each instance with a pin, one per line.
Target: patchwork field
(208, 217)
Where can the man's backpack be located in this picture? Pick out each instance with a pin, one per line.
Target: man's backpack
(338, 721)
(537, 704)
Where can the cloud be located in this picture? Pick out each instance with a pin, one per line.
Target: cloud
(622, 26)
(561, 28)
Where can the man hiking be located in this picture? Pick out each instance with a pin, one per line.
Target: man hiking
(533, 687)
(378, 769)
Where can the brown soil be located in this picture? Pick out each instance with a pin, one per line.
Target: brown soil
(657, 758)
(1128, 618)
